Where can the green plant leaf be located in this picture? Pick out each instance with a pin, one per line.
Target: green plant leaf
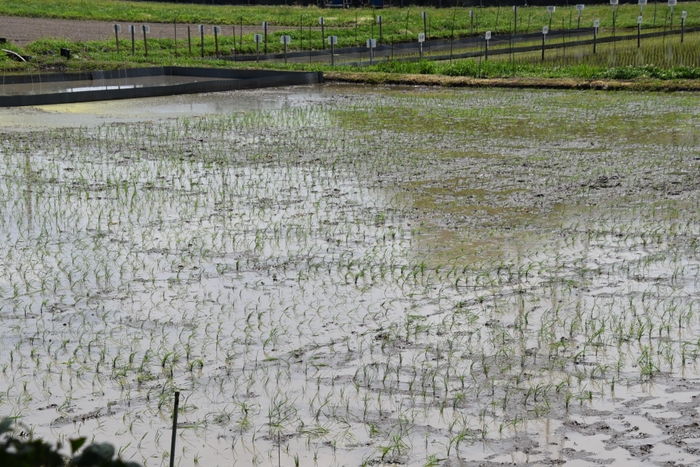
(6, 425)
(76, 444)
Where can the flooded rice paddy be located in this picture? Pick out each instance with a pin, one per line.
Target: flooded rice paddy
(357, 276)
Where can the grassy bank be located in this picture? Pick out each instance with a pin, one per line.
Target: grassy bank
(659, 63)
(398, 23)
(648, 67)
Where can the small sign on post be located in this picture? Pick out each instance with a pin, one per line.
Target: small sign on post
(371, 44)
(379, 22)
(117, 29)
(487, 38)
(642, 3)
(258, 38)
(551, 9)
(684, 15)
(285, 40)
(671, 4)
(332, 41)
(596, 24)
(579, 9)
(421, 39)
(639, 30)
(545, 30)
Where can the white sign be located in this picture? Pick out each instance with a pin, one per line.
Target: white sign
(672, 3)
(132, 29)
(487, 35)
(332, 40)
(642, 2)
(684, 14)
(264, 25)
(285, 40)
(421, 37)
(422, 15)
(200, 29)
(379, 19)
(551, 9)
(640, 19)
(580, 7)
(117, 28)
(145, 28)
(614, 2)
(216, 29)
(515, 8)
(320, 21)
(257, 38)
(371, 43)
(596, 23)
(545, 30)
(471, 14)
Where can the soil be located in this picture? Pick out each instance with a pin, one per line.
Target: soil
(22, 31)
(610, 212)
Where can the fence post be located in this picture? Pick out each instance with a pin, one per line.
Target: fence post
(117, 28)
(323, 32)
(145, 28)
(201, 34)
(174, 437)
(216, 29)
(264, 25)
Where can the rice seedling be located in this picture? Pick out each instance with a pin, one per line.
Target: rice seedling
(383, 276)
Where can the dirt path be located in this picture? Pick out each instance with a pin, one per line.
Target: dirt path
(22, 31)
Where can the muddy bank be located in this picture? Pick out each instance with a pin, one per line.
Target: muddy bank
(520, 83)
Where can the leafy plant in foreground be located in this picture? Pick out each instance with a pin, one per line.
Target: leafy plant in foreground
(17, 452)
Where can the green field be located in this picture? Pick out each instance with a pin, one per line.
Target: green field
(398, 24)
(659, 58)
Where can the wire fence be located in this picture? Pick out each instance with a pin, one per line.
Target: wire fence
(515, 46)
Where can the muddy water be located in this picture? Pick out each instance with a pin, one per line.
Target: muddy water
(54, 87)
(346, 276)
(90, 114)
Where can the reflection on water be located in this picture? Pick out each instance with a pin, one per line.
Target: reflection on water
(53, 87)
(132, 110)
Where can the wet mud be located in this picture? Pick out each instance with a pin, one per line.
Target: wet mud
(351, 275)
